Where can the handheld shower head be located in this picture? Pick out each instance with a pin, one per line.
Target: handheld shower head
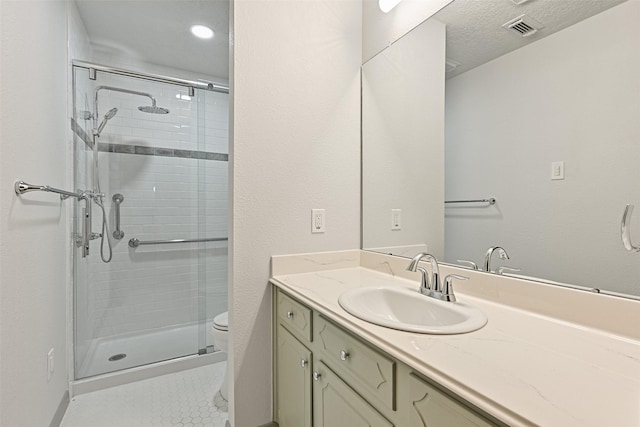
(107, 117)
(110, 114)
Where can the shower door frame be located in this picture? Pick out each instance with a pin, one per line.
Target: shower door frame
(191, 86)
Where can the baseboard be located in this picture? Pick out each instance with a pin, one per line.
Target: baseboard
(62, 408)
(271, 424)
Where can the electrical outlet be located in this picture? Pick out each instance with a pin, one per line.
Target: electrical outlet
(396, 219)
(318, 221)
(50, 364)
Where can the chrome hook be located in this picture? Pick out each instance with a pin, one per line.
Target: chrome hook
(626, 230)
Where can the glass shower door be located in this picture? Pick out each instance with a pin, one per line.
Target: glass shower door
(151, 300)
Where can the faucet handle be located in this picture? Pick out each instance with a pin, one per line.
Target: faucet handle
(447, 292)
(502, 270)
(472, 265)
(424, 280)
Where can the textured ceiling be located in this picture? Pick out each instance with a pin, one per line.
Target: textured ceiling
(158, 31)
(474, 27)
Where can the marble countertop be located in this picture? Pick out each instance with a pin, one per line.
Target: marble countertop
(522, 367)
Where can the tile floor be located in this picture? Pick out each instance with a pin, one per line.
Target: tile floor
(185, 399)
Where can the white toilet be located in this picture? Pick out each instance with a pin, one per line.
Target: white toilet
(220, 333)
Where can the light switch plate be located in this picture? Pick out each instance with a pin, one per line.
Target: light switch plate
(557, 171)
(396, 219)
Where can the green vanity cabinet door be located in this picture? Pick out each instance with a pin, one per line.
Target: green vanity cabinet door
(293, 381)
(335, 404)
(432, 408)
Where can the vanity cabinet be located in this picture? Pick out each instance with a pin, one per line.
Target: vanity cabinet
(325, 376)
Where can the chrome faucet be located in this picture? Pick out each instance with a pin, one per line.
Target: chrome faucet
(432, 287)
(490, 251)
(428, 286)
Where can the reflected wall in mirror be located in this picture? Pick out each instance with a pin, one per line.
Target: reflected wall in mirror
(404, 165)
(511, 111)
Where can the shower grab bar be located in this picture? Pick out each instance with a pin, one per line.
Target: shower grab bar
(626, 230)
(22, 187)
(134, 243)
(117, 199)
(491, 201)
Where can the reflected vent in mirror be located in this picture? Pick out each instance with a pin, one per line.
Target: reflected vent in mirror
(523, 25)
(450, 65)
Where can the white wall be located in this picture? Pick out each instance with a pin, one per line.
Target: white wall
(403, 142)
(573, 96)
(33, 227)
(296, 146)
(380, 29)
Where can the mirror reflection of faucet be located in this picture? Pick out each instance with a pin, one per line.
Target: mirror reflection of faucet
(502, 270)
(469, 264)
(626, 230)
(489, 254)
(487, 262)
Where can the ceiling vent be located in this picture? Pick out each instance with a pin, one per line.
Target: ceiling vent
(523, 25)
(450, 65)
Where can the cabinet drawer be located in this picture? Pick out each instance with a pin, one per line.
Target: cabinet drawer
(295, 316)
(432, 408)
(364, 368)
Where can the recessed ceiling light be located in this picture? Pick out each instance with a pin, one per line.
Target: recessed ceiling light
(202, 32)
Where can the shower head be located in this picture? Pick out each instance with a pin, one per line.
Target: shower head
(107, 117)
(153, 109)
(110, 114)
(145, 108)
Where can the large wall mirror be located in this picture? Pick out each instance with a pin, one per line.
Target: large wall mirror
(544, 118)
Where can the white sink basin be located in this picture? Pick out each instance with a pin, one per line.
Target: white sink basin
(408, 310)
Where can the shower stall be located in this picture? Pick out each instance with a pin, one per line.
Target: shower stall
(150, 253)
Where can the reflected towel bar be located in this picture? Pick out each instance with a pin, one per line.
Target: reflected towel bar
(134, 243)
(491, 201)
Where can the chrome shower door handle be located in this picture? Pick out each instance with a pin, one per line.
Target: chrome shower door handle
(626, 230)
(117, 199)
(86, 225)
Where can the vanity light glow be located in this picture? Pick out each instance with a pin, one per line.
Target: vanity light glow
(387, 5)
(202, 32)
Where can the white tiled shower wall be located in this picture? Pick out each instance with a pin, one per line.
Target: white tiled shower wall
(164, 198)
